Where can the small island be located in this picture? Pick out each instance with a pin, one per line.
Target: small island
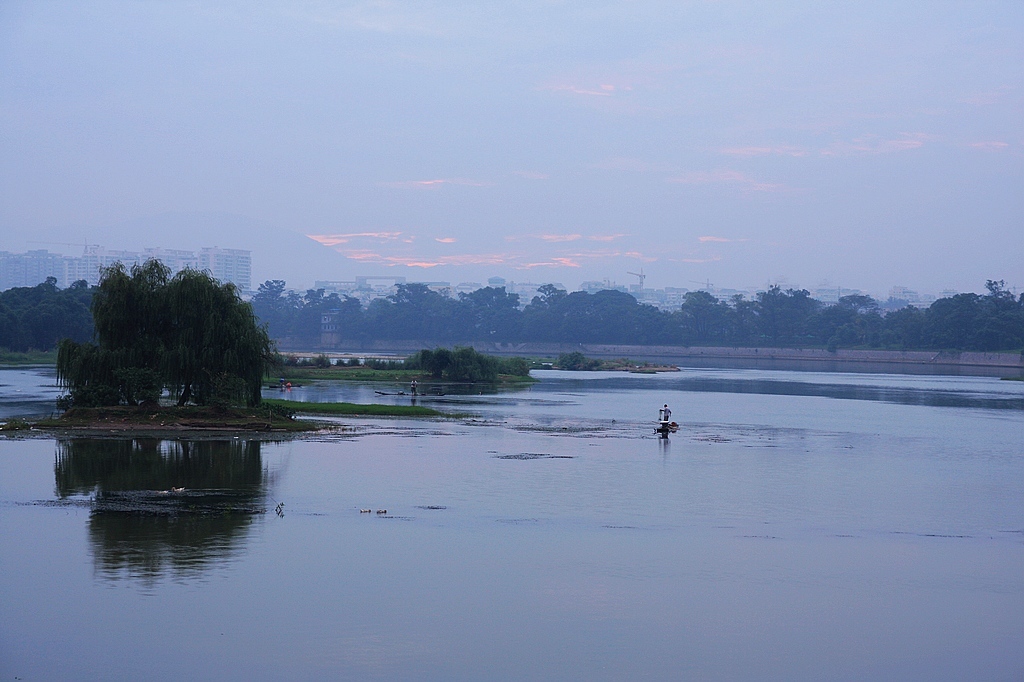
(186, 354)
(459, 365)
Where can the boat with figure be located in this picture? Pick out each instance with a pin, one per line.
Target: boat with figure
(665, 423)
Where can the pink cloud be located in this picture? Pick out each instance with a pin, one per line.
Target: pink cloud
(335, 239)
(560, 237)
(445, 240)
(606, 237)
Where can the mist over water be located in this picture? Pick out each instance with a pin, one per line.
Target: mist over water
(799, 526)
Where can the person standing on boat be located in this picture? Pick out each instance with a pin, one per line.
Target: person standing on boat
(666, 414)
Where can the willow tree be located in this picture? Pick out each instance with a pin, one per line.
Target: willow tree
(215, 349)
(189, 334)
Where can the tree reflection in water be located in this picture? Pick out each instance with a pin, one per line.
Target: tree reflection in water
(164, 507)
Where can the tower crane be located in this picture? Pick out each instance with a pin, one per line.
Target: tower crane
(641, 276)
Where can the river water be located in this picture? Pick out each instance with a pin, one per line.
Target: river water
(800, 526)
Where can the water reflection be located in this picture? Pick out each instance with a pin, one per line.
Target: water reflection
(888, 394)
(897, 390)
(164, 508)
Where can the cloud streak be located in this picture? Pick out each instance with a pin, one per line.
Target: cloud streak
(436, 183)
(873, 144)
(331, 240)
(989, 145)
(728, 177)
(516, 260)
(720, 240)
(366, 256)
(783, 150)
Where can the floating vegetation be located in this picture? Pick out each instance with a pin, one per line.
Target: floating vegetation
(712, 439)
(534, 455)
(431, 507)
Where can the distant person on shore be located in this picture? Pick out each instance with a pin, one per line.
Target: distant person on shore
(412, 387)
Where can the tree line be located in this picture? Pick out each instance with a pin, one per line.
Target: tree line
(37, 318)
(774, 318)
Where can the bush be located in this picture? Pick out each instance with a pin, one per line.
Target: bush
(518, 367)
(373, 363)
(576, 361)
(463, 363)
(97, 395)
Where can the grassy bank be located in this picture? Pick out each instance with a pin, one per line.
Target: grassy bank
(353, 409)
(10, 358)
(302, 375)
(191, 418)
(579, 362)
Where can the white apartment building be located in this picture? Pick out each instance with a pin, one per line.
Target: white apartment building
(32, 268)
(228, 265)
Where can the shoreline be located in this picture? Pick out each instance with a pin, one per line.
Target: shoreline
(273, 422)
(972, 363)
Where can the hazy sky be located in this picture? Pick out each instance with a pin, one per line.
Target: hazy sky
(860, 144)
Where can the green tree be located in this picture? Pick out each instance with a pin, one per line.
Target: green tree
(704, 318)
(190, 334)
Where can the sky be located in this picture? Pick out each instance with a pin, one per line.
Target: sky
(860, 145)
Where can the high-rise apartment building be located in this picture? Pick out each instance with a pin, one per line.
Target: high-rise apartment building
(228, 265)
(32, 268)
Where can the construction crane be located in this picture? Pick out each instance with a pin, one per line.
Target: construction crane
(640, 275)
(708, 285)
(84, 244)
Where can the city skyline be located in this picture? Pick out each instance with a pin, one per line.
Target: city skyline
(235, 266)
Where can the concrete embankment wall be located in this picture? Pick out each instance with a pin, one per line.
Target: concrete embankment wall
(1002, 364)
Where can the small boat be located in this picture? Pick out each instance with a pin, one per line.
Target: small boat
(666, 427)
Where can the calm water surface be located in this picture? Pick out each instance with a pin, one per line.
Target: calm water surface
(800, 526)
